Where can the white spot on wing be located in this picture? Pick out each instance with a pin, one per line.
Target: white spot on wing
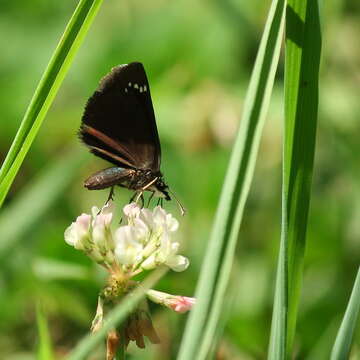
(145, 89)
(129, 84)
(126, 90)
(136, 86)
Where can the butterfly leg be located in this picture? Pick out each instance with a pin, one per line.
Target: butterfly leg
(150, 198)
(111, 195)
(132, 198)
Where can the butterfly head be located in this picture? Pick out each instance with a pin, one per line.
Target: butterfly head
(160, 189)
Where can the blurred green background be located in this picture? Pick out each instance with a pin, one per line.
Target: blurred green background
(198, 56)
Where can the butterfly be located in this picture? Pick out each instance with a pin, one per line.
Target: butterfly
(118, 125)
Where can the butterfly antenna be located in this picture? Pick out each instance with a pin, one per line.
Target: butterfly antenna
(182, 209)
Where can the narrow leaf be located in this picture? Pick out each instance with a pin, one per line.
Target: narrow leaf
(345, 336)
(45, 93)
(302, 60)
(214, 277)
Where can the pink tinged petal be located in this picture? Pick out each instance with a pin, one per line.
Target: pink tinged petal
(102, 220)
(83, 221)
(131, 210)
(78, 232)
(177, 303)
(182, 304)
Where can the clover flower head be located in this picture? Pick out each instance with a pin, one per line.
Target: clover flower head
(145, 242)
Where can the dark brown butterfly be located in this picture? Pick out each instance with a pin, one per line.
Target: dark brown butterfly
(119, 126)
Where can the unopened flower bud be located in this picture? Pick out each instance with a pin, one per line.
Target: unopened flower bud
(177, 303)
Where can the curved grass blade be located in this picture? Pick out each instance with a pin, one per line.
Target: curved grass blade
(344, 338)
(302, 61)
(201, 326)
(45, 92)
(33, 201)
(119, 313)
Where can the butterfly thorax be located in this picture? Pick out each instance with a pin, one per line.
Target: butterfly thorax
(142, 180)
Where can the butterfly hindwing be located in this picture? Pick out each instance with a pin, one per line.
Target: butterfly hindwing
(119, 122)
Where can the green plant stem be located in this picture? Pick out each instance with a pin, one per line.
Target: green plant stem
(116, 316)
(121, 350)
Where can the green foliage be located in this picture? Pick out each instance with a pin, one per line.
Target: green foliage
(345, 336)
(198, 63)
(215, 272)
(45, 351)
(36, 198)
(45, 93)
(302, 61)
(116, 316)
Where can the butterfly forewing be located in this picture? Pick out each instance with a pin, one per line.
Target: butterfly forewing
(119, 122)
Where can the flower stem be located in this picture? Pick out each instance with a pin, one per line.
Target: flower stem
(120, 351)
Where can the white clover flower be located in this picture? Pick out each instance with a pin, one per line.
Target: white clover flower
(128, 248)
(144, 243)
(77, 234)
(92, 234)
(131, 210)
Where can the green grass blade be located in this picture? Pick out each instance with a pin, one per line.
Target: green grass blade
(119, 313)
(303, 46)
(36, 198)
(217, 264)
(344, 338)
(45, 93)
(45, 349)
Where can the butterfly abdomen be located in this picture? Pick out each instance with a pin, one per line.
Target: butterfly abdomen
(108, 178)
